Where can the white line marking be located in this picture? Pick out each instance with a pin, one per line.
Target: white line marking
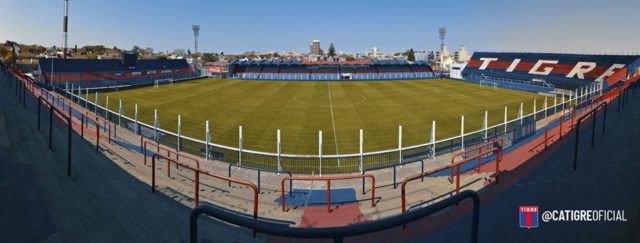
(333, 122)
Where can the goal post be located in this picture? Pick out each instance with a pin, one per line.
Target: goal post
(159, 82)
(493, 85)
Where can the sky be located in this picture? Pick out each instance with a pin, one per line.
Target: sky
(355, 26)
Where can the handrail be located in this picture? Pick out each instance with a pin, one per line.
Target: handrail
(561, 120)
(53, 108)
(197, 172)
(169, 152)
(335, 233)
(259, 172)
(328, 180)
(477, 148)
(498, 151)
(590, 113)
(394, 171)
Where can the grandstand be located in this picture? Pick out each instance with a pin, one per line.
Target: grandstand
(327, 70)
(544, 72)
(111, 73)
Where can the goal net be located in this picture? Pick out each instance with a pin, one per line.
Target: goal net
(159, 82)
(489, 84)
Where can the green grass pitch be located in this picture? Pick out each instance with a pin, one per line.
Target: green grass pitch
(339, 109)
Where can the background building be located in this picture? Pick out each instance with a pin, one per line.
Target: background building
(315, 47)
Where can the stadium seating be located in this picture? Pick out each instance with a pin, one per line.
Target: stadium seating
(96, 73)
(566, 71)
(327, 70)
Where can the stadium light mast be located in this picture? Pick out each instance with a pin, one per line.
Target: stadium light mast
(442, 31)
(196, 33)
(64, 29)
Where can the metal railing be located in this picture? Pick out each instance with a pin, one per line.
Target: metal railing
(395, 184)
(497, 143)
(457, 165)
(338, 163)
(169, 152)
(336, 233)
(197, 171)
(52, 109)
(591, 113)
(328, 180)
(259, 172)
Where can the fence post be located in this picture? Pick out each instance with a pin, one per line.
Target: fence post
(135, 117)
(95, 107)
(86, 99)
(433, 139)
(179, 135)
(619, 101)
(534, 111)
(462, 132)
(521, 115)
(361, 151)
(279, 150)
(545, 107)
(555, 103)
(120, 112)
(400, 144)
(320, 150)
(207, 136)
(106, 110)
(155, 128)
(240, 143)
(485, 125)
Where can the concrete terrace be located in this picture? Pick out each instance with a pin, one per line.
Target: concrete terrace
(109, 198)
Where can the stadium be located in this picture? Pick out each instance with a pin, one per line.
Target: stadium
(315, 149)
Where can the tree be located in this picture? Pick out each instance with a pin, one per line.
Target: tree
(149, 50)
(410, 55)
(136, 49)
(332, 50)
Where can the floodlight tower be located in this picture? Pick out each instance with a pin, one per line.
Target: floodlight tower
(442, 31)
(64, 29)
(196, 33)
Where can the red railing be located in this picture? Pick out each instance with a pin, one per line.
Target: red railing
(96, 120)
(168, 150)
(561, 125)
(197, 172)
(328, 180)
(477, 149)
(497, 151)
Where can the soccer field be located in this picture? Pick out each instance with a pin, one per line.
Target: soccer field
(339, 109)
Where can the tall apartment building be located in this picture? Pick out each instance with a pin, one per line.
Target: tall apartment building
(315, 47)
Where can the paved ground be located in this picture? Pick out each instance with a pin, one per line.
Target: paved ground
(108, 198)
(100, 203)
(607, 178)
